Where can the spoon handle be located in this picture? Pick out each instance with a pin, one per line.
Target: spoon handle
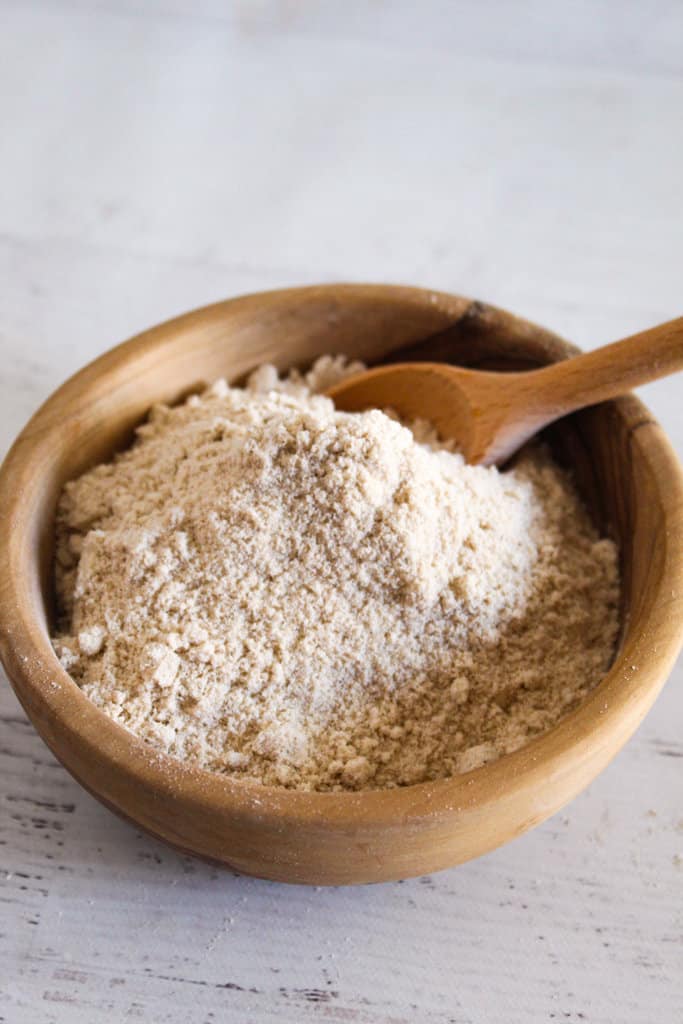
(610, 371)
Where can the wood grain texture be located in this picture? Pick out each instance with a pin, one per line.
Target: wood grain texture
(506, 153)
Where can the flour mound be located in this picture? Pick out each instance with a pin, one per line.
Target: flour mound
(267, 587)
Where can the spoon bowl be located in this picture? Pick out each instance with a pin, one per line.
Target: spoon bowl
(491, 415)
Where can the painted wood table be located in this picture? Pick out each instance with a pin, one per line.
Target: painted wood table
(163, 154)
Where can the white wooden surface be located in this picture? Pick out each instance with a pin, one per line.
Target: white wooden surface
(163, 154)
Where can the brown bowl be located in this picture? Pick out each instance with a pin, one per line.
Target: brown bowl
(626, 470)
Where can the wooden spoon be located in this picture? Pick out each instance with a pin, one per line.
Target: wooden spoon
(491, 415)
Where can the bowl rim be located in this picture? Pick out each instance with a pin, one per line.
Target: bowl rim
(46, 690)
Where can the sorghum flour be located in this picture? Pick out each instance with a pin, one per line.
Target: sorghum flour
(320, 600)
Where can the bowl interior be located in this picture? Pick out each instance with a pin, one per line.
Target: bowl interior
(172, 361)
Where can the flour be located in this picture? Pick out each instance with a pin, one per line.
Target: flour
(266, 587)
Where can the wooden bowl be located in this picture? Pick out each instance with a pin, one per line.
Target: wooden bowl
(625, 468)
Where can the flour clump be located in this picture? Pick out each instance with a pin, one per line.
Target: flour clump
(266, 587)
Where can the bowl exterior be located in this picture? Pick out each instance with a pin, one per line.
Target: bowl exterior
(625, 466)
